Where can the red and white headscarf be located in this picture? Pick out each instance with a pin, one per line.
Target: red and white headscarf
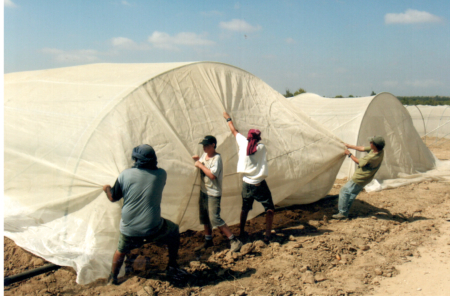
(253, 137)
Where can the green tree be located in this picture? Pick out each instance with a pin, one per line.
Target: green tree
(350, 96)
(288, 94)
(339, 96)
(373, 93)
(299, 91)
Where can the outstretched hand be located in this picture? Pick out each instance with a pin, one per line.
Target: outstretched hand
(198, 164)
(225, 115)
(105, 187)
(347, 152)
(195, 157)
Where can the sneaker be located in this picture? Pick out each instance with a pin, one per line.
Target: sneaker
(339, 216)
(208, 243)
(235, 245)
(112, 281)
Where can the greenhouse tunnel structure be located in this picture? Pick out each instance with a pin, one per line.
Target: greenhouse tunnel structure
(431, 121)
(354, 120)
(69, 131)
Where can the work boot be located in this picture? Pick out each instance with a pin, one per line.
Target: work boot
(244, 237)
(339, 216)
(235, 245)
(112, 280)
(177, 273)
(267, 239)
(208, 243)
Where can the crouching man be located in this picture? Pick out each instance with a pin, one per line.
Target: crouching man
(141, 188)
(367, 168)
(211, 168)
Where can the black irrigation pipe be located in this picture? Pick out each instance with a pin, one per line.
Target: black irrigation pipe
(29, 273)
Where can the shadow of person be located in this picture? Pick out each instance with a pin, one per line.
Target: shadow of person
(150, 260)
(198, 274)
(362, 209)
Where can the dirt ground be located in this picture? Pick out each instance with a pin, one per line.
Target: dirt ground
(439, 147)
(395, 242)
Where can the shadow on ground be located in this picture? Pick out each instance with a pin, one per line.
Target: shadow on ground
(297, 221)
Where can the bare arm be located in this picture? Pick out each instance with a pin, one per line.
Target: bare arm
(205, 170)
(107, 189)
(346, 152)
(230, 124)
(357, 148)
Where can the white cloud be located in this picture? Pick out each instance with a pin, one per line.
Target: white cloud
(9, 3)
(239, 26)
(125, 3)
(122, 41)
(165, 41)
(211, 13)
(128, 44)
(411, 16)
(424, 83)
(290, 41)
(83, 55)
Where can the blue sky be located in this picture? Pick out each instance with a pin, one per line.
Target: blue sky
(326, 47)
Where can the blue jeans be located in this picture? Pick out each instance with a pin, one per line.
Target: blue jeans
(347, 196)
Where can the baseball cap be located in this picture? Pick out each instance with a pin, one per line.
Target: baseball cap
(377, 140)
(208, 140)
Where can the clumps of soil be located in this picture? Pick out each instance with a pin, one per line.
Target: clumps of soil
(310, 253)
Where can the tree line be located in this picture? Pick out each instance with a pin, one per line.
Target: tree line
(412, 100)
(425, 100)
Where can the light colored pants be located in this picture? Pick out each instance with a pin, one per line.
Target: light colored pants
(347, 196)
(210, 210)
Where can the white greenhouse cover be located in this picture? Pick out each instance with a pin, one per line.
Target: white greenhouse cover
(354, 120)
(431, 121)
(69, 131)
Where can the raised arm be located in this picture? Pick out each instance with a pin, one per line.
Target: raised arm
(230, 124)
(357, 148)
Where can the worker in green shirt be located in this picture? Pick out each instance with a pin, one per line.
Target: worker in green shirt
(367, 168)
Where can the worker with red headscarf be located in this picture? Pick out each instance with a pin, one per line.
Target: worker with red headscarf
(253, 164)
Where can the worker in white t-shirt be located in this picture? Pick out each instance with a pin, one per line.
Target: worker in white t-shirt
(211, 168)
(253, 164)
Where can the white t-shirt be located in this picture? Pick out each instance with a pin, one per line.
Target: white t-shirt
(254, 167)
(214, 164)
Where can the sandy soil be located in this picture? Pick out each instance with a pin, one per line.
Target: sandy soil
(439, 147)
(396, 242)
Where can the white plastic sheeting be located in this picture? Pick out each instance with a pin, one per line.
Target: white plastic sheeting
(431, 121)
(69, 131)
(440, 174)
(355, 119)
